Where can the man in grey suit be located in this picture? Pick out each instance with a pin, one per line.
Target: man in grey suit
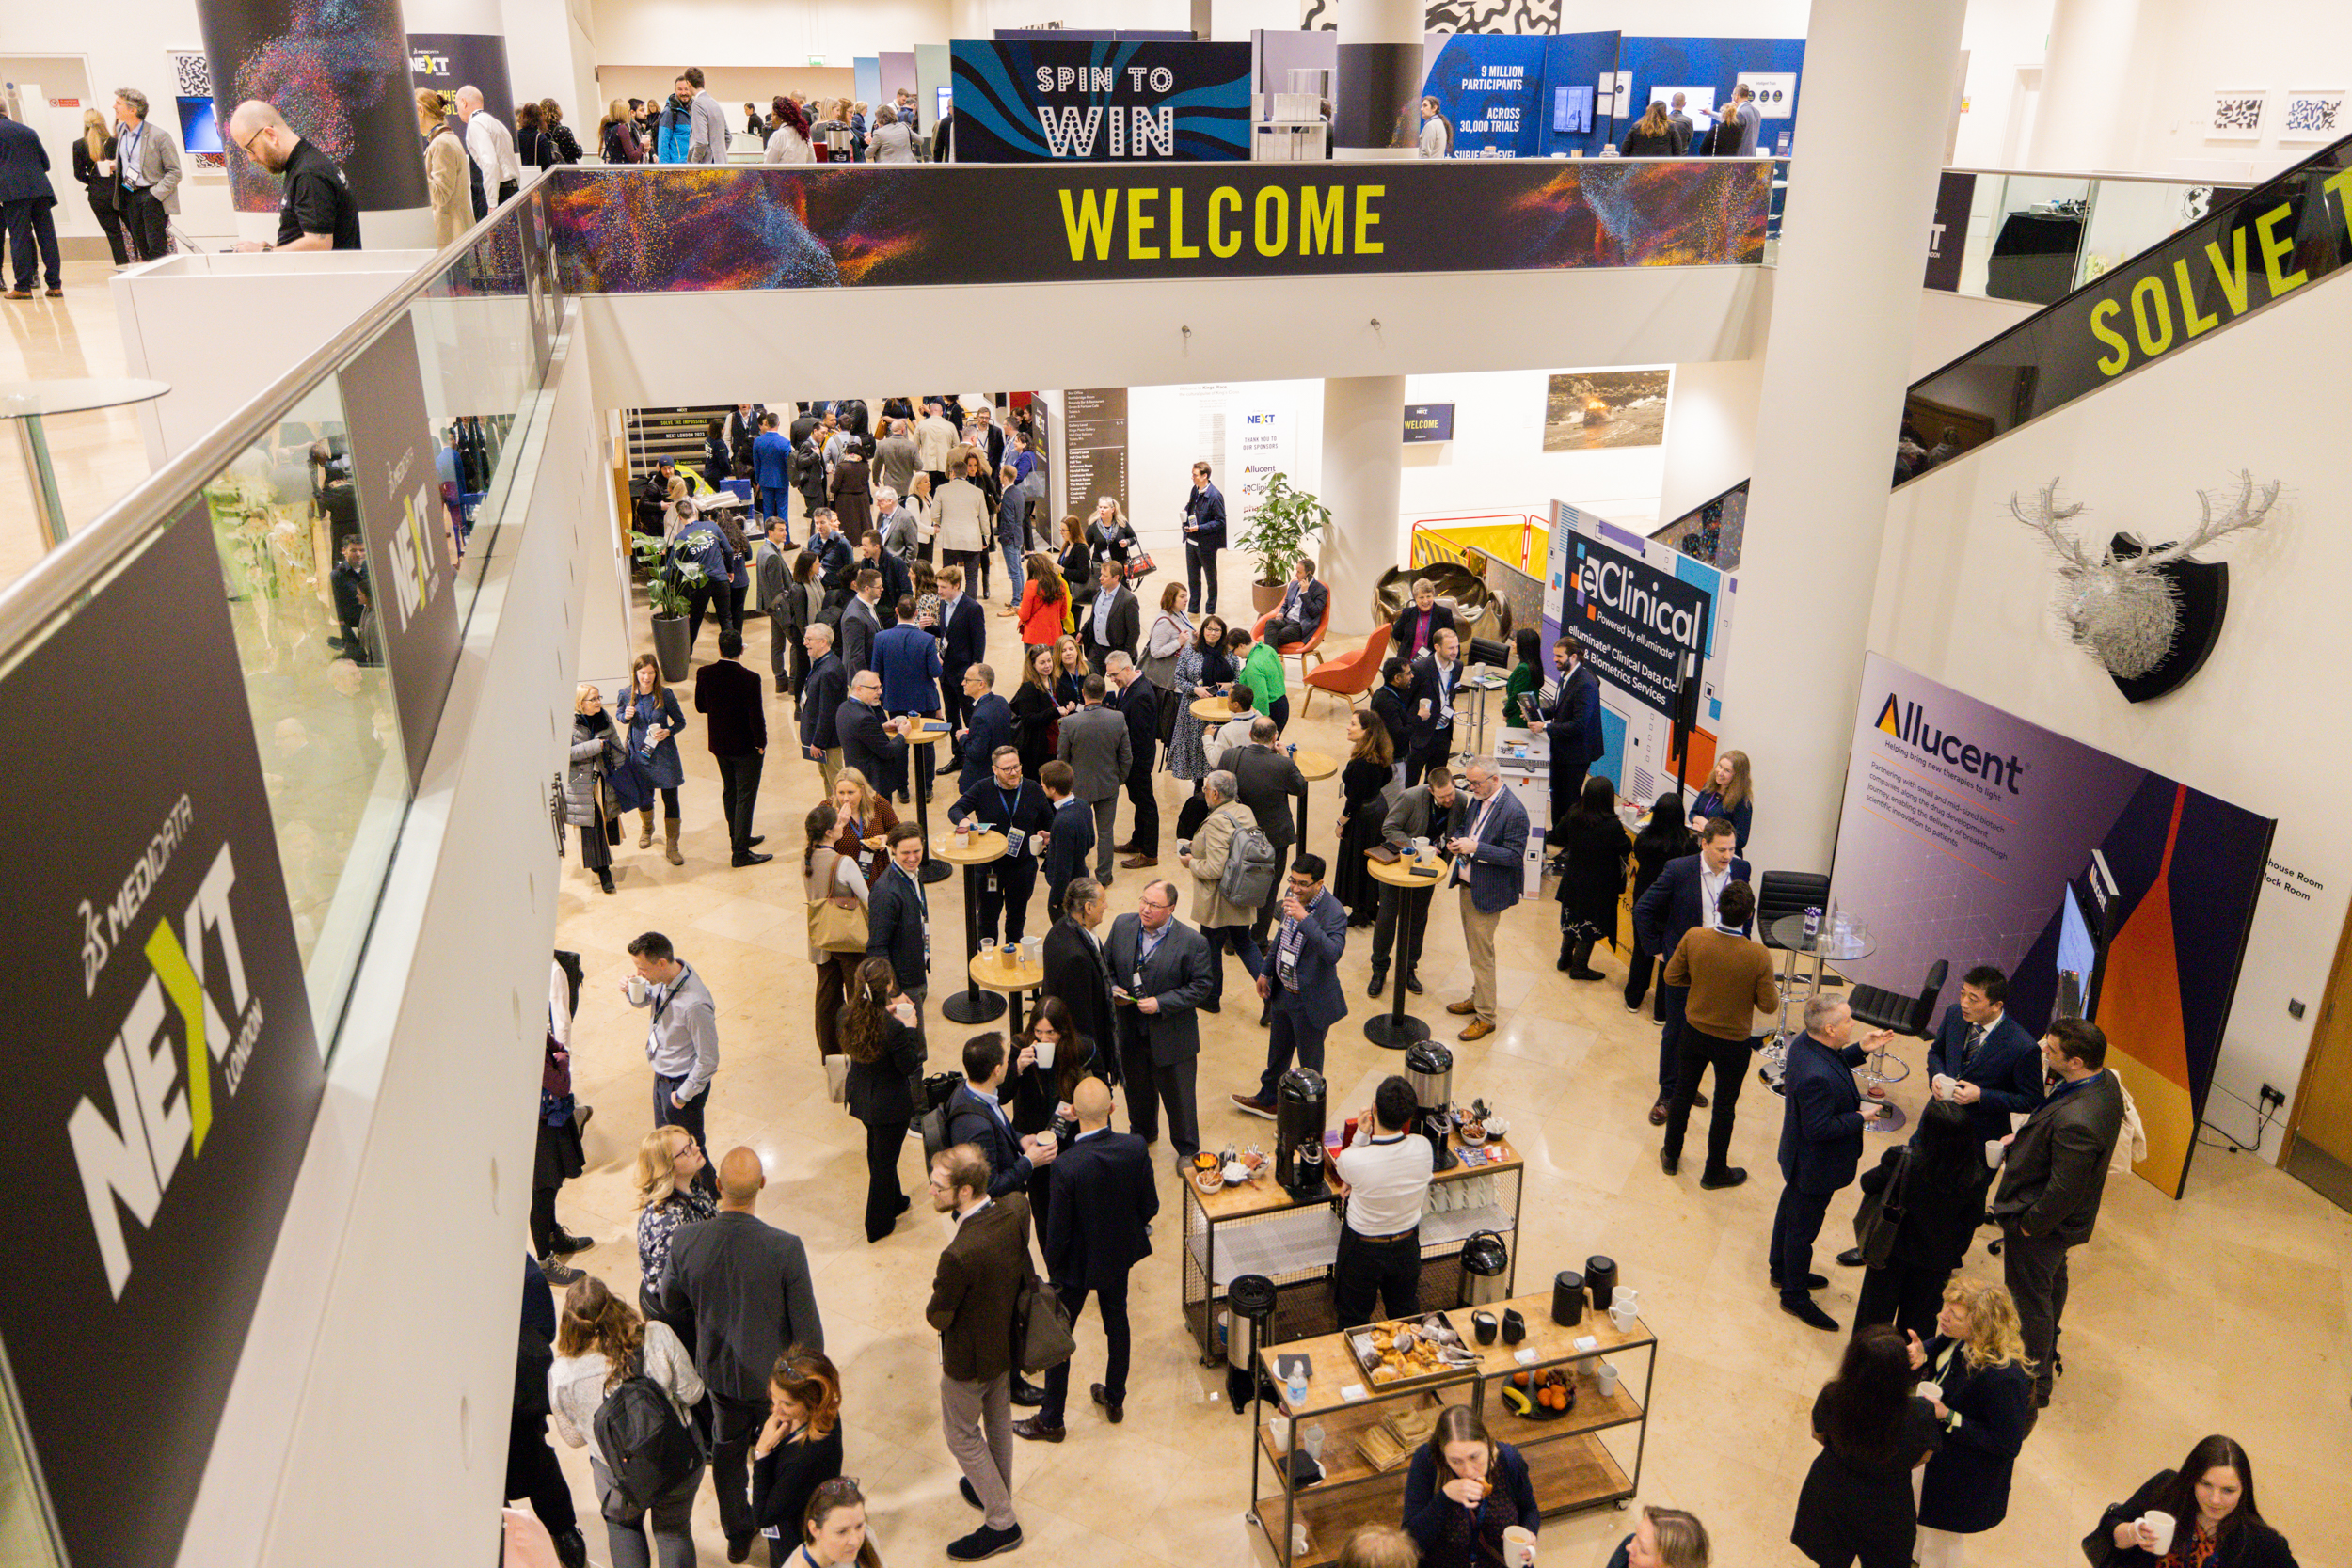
(860, 622)
(147, 165)
(2052, 1179)
(1487, 855)
(1269, 783)
(771, 579)
(1095, 743)
(1300, 981)
(1159, 977)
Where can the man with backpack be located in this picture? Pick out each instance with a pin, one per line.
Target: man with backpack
(745, 1285)
(1233, 867)
(1268, 782)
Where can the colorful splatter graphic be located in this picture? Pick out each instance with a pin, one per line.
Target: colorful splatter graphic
(629, 230)
(338, 70)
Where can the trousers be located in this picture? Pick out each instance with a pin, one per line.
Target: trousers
(2034, 1269)
(1143, 805)
(1113, 1302)
(884, 1195)
(1415, 904)
(1005, 888)
(1201, 575)
(1795, 1224)
(32, 229)
(734, 1427)
(1478, 936)
(1290, 1034)
(1387, 1273)
(1245, 947)
(739, 792)
(1729, 1059)
(147, 223)
(1150, 1087)
(1670, 1001)
(532, 1472)
(1903, 1294)
(667, 1527)
(977, 1419)
(1106, 820)
(689, 1115)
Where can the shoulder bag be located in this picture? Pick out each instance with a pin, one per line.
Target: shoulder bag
(837, 1078)
(1882, 1215)
(1044, 1325)
(837, 922)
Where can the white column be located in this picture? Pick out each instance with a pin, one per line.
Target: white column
(1845, 304)
(2092, 88)
(1363, 469)
(1379, 74)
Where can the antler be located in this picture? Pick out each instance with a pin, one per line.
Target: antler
(2047, 515)
(2248, 512)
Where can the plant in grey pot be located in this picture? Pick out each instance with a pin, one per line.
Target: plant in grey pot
(1278, 530)
(667, 582)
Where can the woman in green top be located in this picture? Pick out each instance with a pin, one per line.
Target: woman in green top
(1260, 669)
(1522, 697)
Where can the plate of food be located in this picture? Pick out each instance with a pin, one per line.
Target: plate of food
(1544, 1396)
(1411, 1350)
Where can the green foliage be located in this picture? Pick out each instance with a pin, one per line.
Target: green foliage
(666, 580)
(1285, 519)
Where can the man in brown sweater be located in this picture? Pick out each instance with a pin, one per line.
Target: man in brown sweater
(1730, 977)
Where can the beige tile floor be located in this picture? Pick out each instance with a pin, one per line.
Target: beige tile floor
(98, 457)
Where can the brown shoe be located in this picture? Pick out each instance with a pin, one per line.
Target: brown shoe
(20, 294)
(56, 293)
(1137, 862)
(1478, 1030)
(1036, 1429)
(1464, 1007)
(1658, 1114)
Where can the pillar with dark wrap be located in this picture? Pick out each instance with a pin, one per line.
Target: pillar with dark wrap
(1375, 101)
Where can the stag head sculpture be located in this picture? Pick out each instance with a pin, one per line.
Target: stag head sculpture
(2123, 612)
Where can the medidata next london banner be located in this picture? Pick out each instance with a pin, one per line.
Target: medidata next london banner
(1021, 101)
(167, 1075)
(1971, 835)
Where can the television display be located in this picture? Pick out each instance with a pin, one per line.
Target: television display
(2083, 934)
(199, 132)
(1571, 109)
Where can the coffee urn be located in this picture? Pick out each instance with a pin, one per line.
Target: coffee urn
(1486, 1269)
(1430, 1066)
(1300, 1102)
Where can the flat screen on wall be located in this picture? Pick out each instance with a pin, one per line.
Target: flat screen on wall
(199, 130)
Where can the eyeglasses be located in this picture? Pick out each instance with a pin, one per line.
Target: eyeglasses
(247, 143)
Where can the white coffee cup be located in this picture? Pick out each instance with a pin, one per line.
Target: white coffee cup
(1605, 1373)
(1942, 1083)
(1278, 1428)
(636, 991)
(1045, 1054)
(1421, 847)
(1993, 1153)
(2161, 1525)
(1623, 1317)
(1930, 1391)
(1625, 1297)
(1518, 1546)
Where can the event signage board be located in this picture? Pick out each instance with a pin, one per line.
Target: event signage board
(340, 75)
(1637, 621)
(411, 569)
(1971, 835)
(169, 1076)
(1490, 89)
(1428, 421)
(1948, 235)
(447, 61)
(1094, 447)
(1027, 100)
(652, 228)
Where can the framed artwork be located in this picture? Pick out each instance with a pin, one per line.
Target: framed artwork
(2237, 115)
(2314, 115)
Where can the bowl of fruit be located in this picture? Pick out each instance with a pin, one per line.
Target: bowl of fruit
(1544, 1396)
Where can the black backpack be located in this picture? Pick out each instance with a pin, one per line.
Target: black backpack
(645, 1447)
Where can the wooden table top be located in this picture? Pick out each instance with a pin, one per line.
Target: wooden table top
(931, 731)
(990, 972)
(985, 846)
(1398, 873)
(1264, 1197)
(1313, 766)
(1216, 710)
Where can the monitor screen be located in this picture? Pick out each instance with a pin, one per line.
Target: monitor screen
(1571, 109)
(198, 130)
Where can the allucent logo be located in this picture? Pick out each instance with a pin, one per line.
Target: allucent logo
(1908, 722)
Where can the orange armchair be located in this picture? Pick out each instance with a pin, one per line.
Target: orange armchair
(1299, 650)
(1350, 675)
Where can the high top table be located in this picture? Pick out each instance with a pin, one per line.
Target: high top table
(928, 733)
(971, 1005)
(1313, 766)
(27, 402)
(1396, 1029)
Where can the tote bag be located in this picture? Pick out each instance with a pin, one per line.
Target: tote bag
(836, 923)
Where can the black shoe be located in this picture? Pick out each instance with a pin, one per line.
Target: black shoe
(604, 881)
(983, 1542)
(971, 1496)
(571, 1549)
(1027, 1395)
(756, 840)
(1266, 1016)
(1714, 1181)
(1380, 981)
(1669, 1163)
(1803, 1309)
(1698, 1103)
(1587, 975)
(905, 1203)
(752, 859)
(567, 1244)
(1038, 1429)
(1412, 983)
(1851, 1257)
(558, 1272)
(1812, 1282)
(583, 1115)
(739, 1553)
(1115, 1411)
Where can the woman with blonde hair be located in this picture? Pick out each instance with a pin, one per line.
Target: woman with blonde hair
(827, 873)
(918, 500)
(1070, 671)
(885, 1050)
(93, 166)
(1728, 794)
(654, 718)
(798, 1448)
(1982, 1394)
(1664, 1538)
(446, 175)
(1652, 135)
(597, 755)
(866, 819)
(667, 1162)
(616, 134)
(600, 1344)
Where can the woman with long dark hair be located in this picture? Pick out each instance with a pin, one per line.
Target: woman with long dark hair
(1464, 1490)
(1366, 793)
(600, 1343)
(1042, 606)
(885, 1052)
(1201, 671)
(1522, 695)
(1040, 1094)
(1856, 1504)
(1984, 1398)
(1662, 838)
(833, 1532)
(1943, 1203)
(1596, 847)
(1035, 717)
(2215, 1524)
(798, 1448)
(826, 873)
(788, 142)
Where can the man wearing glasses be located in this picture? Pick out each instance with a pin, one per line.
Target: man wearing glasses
(1159, 977)
(316, 211)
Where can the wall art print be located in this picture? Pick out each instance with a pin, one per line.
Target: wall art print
(338, 70)
(2237, 114)
(2314, 115)
(1455, 16)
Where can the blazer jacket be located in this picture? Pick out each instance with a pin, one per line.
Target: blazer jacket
(1066, 854)
(1306, 604)
(745, 1283)
(1415, 816)
(1497, 875)
(880, 1094)
(895, 928)
(1177, 973)
(772, 586)
(822, 697)
(734, 708)
(1965, 1488)
(2057, 1167)
(972, 1121)
(1573, 726)
(1095, 742)
(1439, 691)
(977, 1289)
(1078, 972)
(1393, 710)
(24, 164)
(861, 623)
(102, 187)
(868, 746)
(1096, 1226)
(2008, 1069)
(966, 627)
(1204, 518)
(989, 726)
(1138, 703)
(907, 659)
(1126, 623)
(158, 155)
(1319, 1001)
(1673, 903)
(1412, 623)
(1821, 1124)
(1268, 781)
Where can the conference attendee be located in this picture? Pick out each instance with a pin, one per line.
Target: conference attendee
(27, 203)
(1160, 977)
(974, 1291)
(1820, 1144)
(1994, 1064)
(94, 160)
(1940, 1203)
(979, 1117)
(1299, 617)
(1464, 1491)
(681, 1038)
(799, 1450)
(1113, 621)
(616, 133)
(783, 587)
(867, 819)
(1109, 536)
(821, 695)
(1204, 536)
(1416, 628)
(1138, 703)
(877, 1031)
(1437, 136)
(771, 476)
(1976, 1357)
(1036, 715)
(348, 582)
(1572, 726)
(788, 143)
(1074, 560)
(535, 148)
(491, 145)
(1857, 1502)
(2210, 1498)
(966, 523)
(853, 493)
(735, 718)
(565, 145)
(746, 1284)
(1437, 676)
(1680, 123)
(1300, 980)
(1049, 1060)
(826, 873)
(315, 209)
(1391, 706)
(1268, 782)
(601, 1342)
(897, 461)
(2052, 1178)
(651, 714)
(899, 916)
(1662, 839)
(1069, 839)
(1258, 670)
(1007, 804)
(1224, 922)
(989, 723)
(669, 1199)
(148, 171)
(811, 474)
(1522, 693)
(1651, 137)
(446, 166)
(1684, 896)
(872, 744)
(906, 658)
(1201, 670)
(1379, 1546)
(1593, 847)
(707, 135)
(597, 755)
(1097, 744)
(1728, 794)
(1078, 972)
(934, 438)
(1367, 786)
(1749, 119)
(962, 640)
(531, 1471)
(1434, 810)
(861, 619)
(1726, 979)
(1384, 1169)
(1488, 855)
(1664, 1538)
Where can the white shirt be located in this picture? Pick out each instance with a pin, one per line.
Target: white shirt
(492, 147)
(1388, 1181)
(1712, 885)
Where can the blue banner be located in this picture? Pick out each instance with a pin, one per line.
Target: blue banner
(1021, 101)
(1490, 89)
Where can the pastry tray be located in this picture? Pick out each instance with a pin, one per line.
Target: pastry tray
(1365, 1364)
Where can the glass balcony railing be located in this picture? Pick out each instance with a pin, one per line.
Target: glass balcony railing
(2036, 237)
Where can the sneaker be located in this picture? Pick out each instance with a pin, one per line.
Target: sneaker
(1798, 1307)
(1633, 1007)
(558, 1272)
(567, 1244)
(983, 1542)
(1716, 1182)
(1254, 1105)
(1036, 1429)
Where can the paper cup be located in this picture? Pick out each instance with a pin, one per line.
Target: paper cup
(1993, 1153)
(1942, 1084)
(1930, 1391)
(2161, 1525)
(1605, 1374)
(1518, 1546)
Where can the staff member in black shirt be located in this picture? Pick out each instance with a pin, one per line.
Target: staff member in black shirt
(317, 212)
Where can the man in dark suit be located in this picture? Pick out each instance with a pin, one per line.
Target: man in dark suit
(1300, 981)
(1269, 783)
(745, 1285)
(1069, 839)
(1489, 866)
(874, 746)
(899, 916)
(861, 619)
(2052, 1179)
(822, 697)
(1392, 704)
(1996, 1065)
(1138, 703)
(975, 1293)
(1415, 632)
(1016, 807)
(898, 579)
(27, 203)
(1095, 742)
(986, 722)
(349, 580)
(1159, 976)
(1437, 674)
(1820, 1144)
(811, 475)
(963, 626)
(1112, 620)
(837, 561)
(1683, 897)
(906, 656)
(1097, 1228)
(1204, 535)
(1079, 972)
(1300, 614)
(976, 1116)
(1573, 728)
(729, 697)
(1432, 809)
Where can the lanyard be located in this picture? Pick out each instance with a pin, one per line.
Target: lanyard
(670, 995)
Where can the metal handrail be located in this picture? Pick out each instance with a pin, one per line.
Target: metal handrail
(2244, 185)
(59, 578)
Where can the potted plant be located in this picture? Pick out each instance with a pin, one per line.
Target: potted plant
(667, 582)
(1277, 535)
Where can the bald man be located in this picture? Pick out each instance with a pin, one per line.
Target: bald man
(316, 211)
(745, 1284)
(1096, 1231)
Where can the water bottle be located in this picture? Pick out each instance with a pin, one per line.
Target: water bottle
(1812, 925)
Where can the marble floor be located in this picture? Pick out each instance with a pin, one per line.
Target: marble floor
(2225, 1311)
